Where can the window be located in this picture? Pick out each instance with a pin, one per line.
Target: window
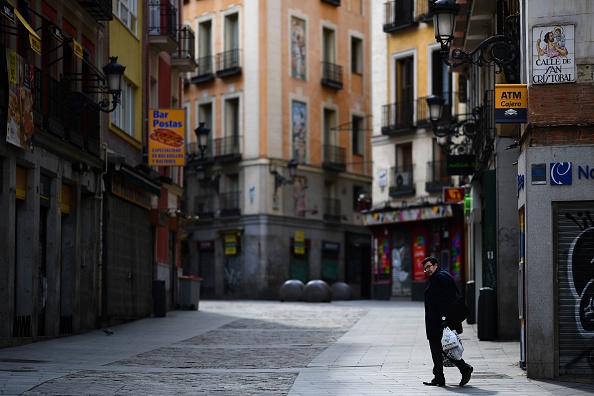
(123, 115)
(231, 32)
(330, 137)
(358, 135)
(328, 46)
(404, 90)
(205, 116)
(232, 117)
(127, 11)
(356, 55)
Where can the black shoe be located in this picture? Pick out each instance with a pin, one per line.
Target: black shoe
(435, 382)
(466, 376)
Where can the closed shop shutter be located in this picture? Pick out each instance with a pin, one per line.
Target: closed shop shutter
(575, 258)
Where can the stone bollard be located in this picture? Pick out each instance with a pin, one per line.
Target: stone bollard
(341, 291)
(317, 291)
(291, 290)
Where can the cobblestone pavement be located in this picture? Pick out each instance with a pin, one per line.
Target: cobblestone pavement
(266, 348)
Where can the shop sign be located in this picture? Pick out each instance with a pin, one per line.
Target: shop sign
(553, 54)
(406, 215)
(299, 245)
(166, 137)
(460, 165)
(230, 244)
(511, 103)
(330, 246)
(20, 127)
(453, 194)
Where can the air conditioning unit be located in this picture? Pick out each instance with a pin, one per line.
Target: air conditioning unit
(403, 179)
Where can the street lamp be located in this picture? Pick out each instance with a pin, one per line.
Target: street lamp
(280, 180)
(202, 133)
(503, 49)
(114, 72)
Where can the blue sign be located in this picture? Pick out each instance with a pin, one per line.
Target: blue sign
(561, 173)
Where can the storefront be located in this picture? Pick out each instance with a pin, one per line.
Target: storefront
(403, 237)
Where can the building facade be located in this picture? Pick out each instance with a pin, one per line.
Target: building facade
(278, 84)
(417, 208)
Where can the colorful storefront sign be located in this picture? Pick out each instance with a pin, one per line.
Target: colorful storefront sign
(166, 137)
(412, 214)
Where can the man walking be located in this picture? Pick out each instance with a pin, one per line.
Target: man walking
(439, 292)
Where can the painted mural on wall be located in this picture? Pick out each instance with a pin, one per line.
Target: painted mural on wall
(299, 131)
(401, 265)
(576, 290)
(298, 49)
(299, 195)
(553, 56)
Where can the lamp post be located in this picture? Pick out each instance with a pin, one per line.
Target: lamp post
(114, 72)
(280, 180)
(503, 49)
(202, 133)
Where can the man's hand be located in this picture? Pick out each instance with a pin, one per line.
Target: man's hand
(444, 322)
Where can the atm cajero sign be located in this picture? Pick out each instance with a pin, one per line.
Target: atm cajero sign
(511, 103)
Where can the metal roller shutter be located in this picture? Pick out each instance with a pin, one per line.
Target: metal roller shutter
(575, 258)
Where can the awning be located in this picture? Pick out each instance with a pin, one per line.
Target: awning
(141, 182)
(34, 39)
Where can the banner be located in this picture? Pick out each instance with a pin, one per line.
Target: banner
(166, 137)
(20, 127)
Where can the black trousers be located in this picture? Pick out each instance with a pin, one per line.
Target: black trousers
(437, 356)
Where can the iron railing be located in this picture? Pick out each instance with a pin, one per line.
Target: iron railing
(331, 75)
(332, 210)
(229, 63)
(229, 204)
(187, 41)
(204, 206)
(397, 117)
(398, 14)
(227, 147)
(332, 2)
(205, 70)
(402, 180)
(334, 158)
(437, 177)
(162, 19)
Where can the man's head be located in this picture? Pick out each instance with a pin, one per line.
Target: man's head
(430, 264)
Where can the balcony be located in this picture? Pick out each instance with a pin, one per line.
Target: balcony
(229, 63)
(53, 118)
(229, 204)
(204, 206)
(334, 158)
(397, 118)
(399, 15)
(437, 177)
(226, 149)
(204, 71)
(331, 75)
(100, 10)
(402, 181)
(162, 25)
(331, 210)
(335, 3)
(184, 59)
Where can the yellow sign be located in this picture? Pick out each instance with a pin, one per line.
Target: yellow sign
(299, 242)
(511, 103)
(166, 137)
(77, 48)
(230, 244)
(453, 194)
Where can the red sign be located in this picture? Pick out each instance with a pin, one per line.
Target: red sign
(453, 194)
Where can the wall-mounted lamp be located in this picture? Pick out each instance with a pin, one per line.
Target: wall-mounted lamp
(280, 180)
(465, 128)
(202, 133)
(114, 72)
(502, 49)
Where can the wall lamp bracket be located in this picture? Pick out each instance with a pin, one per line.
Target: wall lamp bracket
(280, 180)
(503, 50)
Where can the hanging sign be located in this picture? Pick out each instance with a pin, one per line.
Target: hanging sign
(299, 242)
(166, 137)
(20, 127)
(230, 244)
(511, 103)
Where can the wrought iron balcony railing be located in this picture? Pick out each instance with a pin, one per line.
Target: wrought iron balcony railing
(332, 2)
(402, 181)
(332, 210)
(204, 71)
(334, 158)
(183, 58)
(331, 75)
(229, 204)
(437, 177)
(229, 63)
(397, 117)
(226, 149)
(162, 25)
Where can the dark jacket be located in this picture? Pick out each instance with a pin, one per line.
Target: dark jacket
(439, 292)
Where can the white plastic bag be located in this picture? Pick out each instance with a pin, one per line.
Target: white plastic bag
(449, 340)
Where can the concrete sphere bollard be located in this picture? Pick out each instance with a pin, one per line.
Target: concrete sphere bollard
(317, 291)
(341, 291)
(291, 290)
